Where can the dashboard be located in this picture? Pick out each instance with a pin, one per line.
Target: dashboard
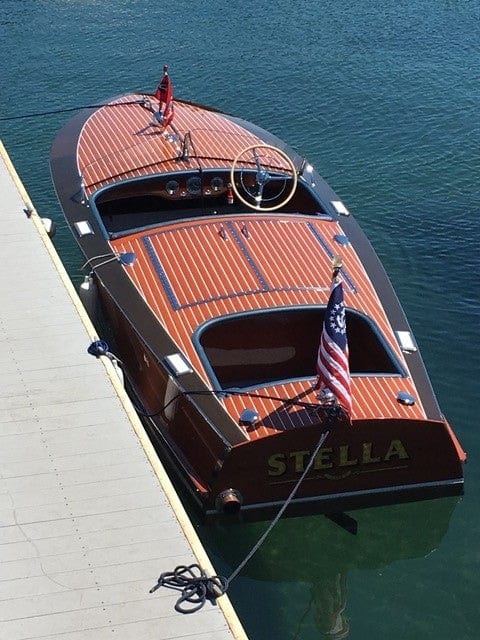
(195, 185)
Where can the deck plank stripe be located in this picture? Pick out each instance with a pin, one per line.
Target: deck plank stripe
(198, 271)
(127, 139)
(236, 269)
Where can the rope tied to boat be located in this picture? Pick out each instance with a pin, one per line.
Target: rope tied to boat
(192, 581)
(39, 114)
(195, 587)
(198, 589)
(100, 348)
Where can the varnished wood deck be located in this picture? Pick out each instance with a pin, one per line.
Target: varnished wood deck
(189, 272)
(85, 525)
(119, 142)
(193, 271)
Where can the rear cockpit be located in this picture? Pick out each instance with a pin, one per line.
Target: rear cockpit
(272, 346)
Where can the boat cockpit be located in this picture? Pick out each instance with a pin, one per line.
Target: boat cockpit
(262, 348)
(138, 204)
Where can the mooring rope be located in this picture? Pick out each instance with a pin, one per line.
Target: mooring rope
(280, 513)
(101, 348)
(197, 589)
(195, 585)
(40, 114)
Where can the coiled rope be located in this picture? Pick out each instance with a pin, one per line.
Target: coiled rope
(197, 589)
(192, 581)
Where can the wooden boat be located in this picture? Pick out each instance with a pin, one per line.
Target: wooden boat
(211, 243)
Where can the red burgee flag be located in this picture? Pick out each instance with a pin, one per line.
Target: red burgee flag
(332, 361)
(164, 95)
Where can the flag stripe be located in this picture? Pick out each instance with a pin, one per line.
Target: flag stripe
(332, 361)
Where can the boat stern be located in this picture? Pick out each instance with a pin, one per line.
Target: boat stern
(368, 463)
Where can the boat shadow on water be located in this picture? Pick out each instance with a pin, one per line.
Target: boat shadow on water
(316, 555)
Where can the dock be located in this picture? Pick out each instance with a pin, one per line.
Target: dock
(88, 516)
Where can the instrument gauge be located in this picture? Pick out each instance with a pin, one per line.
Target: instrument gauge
(172, 187)
(216, 183)
(194, 185)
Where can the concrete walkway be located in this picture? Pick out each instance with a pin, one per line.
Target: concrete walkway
(88, 517)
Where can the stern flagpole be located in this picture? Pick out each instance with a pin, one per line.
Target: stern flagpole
(333, 370)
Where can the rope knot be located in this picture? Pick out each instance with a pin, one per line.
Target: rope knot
(195, 586)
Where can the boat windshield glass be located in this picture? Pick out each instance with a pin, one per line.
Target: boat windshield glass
(267, 347)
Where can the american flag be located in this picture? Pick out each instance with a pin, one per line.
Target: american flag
(332, 361)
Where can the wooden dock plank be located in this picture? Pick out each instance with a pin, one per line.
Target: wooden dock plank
(86, 516)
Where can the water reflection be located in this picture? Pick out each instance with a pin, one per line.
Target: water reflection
(329, 600)
(306, 562)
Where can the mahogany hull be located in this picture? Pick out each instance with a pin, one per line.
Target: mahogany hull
(367, 463)
(224, 288)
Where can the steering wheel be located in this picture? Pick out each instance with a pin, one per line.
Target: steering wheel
(257, 166)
